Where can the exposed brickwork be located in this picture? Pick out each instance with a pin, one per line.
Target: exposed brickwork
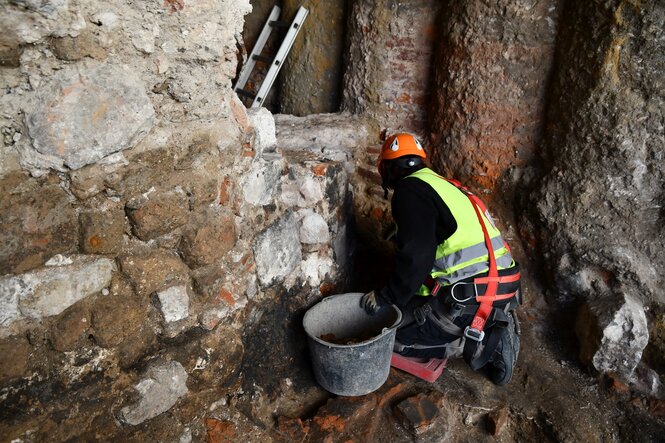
(225, 191)
(488, 111)
(389, 61)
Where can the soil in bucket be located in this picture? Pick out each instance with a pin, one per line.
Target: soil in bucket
(350, 349)
(363, 336)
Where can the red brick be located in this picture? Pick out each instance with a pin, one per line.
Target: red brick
(174, 5)
(617, 385)
(657, 407)
(330, 423)
(248, 263)
(319, 170)
(341, 415)
(220, 431)
(390, 394)
(225, 190)
(227, 297)
(378, 213)
(418, 412)
(496, 420)
(404, 98)
(240, 115)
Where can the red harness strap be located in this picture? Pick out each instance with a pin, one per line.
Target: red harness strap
(492, 280)
(486, 305)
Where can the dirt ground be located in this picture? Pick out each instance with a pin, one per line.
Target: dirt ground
(550, 398)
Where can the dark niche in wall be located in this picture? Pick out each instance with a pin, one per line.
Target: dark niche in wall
(310, 80)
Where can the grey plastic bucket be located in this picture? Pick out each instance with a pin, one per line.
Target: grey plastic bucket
(350, 369)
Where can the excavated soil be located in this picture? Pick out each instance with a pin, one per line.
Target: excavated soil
(551, 398)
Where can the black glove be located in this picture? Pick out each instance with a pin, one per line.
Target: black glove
(371, 302)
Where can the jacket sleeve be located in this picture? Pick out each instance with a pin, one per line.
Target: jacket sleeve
(416, 218)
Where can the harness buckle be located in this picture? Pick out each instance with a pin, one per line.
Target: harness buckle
(474, 334)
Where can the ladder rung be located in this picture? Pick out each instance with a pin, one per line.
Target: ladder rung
(279, 24)
(262, 58)
(245, 93)
(282, 52)
(258, 48)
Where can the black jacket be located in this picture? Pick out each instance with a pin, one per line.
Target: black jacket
(423, 222)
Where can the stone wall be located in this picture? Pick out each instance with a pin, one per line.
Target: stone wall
(159, 242)
(148, 223)
(600, 202)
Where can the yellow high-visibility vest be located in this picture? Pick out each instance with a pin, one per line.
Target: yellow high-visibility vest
(463, 254)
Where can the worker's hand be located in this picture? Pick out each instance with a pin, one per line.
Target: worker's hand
(371, 302)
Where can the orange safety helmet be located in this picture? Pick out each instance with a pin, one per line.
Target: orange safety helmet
(399, 145)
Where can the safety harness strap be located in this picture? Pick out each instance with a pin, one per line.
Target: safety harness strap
(499, 325)
(474, 333)
(492, 280)
(493, 286)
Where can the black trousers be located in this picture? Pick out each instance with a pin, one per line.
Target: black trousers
(426, 334)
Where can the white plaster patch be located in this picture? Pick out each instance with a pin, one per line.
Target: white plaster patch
(315, 268)
(174, 303)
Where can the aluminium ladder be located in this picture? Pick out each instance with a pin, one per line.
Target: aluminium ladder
(276, 62)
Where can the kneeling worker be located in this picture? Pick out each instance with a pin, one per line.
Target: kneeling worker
(455, 280)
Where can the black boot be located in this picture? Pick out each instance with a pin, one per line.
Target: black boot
(502, 361)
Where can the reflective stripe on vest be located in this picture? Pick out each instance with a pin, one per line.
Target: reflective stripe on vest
(464, 253)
